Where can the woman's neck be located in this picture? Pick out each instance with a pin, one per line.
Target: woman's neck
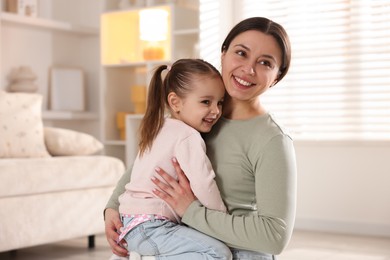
(241, 110)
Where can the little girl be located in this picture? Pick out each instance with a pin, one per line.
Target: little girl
(192, 92)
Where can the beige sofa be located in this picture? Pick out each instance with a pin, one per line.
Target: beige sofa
(53, 185)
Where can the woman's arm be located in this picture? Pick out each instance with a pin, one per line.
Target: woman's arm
(269, 229)
(177, 194)
(113, 202)
(112, 225)
(111, 216)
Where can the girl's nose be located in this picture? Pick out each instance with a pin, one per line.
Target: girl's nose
(215, 109)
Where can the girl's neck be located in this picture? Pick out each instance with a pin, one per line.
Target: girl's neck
(241, 110)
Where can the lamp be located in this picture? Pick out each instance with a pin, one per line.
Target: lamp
(153, 30)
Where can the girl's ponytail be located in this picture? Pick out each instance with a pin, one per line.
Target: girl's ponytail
(153, 119)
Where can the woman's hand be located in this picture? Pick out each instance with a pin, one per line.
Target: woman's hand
(112, 227)
(177, 194)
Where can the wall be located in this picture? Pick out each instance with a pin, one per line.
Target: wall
(47, 47)
(343, 187)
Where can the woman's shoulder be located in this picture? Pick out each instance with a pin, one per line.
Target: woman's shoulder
(278, 125)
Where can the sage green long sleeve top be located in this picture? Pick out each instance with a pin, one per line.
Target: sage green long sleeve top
(255, 167)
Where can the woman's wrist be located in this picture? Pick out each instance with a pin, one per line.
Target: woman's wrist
(188, 212)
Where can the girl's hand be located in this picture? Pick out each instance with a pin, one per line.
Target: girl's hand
(177, 194)
(112, 227)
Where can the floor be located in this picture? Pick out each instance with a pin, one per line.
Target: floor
(303, 246)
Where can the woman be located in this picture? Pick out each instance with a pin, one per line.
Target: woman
(252, 156)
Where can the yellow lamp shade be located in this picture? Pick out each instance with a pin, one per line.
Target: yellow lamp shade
(153, 30)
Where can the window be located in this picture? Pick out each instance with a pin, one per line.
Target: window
(338, 86)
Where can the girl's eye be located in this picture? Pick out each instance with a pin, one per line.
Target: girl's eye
(220, 103)
(206, 102)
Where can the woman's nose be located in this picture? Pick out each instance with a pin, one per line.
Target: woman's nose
(248, 68)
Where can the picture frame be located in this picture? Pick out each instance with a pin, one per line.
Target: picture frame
(67, 89)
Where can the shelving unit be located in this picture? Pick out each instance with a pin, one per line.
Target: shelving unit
(47, 24)
(57, 38)
(119, 74)
(132, 125)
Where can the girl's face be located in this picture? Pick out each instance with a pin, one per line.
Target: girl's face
(202, 106)
(250, 65)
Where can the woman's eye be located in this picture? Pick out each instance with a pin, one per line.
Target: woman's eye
(266, 63)
(241, 53)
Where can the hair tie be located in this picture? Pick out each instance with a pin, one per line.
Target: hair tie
(169, 67)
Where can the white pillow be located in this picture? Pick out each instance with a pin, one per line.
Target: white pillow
(21, 127)
(64, 142)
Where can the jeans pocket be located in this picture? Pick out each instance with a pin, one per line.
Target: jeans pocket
(139, 241)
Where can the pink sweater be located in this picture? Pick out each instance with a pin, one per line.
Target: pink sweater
(175, 139)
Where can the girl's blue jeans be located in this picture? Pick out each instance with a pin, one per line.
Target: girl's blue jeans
(250, 255)
(167, 240)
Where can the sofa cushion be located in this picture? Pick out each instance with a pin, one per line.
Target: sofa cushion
(21, 127)
(63, 142)
(64, 173)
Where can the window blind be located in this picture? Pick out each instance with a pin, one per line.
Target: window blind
(338, 86)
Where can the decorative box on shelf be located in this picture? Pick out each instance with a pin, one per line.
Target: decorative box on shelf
(23, 7)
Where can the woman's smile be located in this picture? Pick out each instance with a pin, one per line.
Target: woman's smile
(242, 83)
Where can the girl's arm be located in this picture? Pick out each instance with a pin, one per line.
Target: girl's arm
(191, 155)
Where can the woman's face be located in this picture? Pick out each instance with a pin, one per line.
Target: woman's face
(250, 65)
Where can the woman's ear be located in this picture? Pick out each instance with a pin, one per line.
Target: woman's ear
(174, 102)
(276, 80)
(222, 55)
(274, 83)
